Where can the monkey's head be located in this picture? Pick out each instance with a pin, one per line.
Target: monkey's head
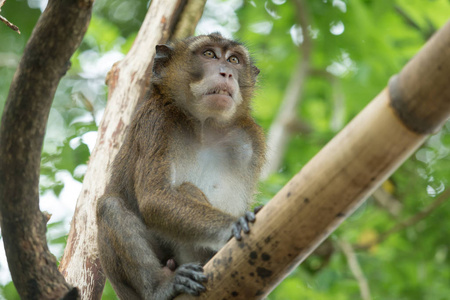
(208, 76)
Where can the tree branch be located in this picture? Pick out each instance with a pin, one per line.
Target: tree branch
(189, 18)
(387, 201)
(280, 130)
(33, 267)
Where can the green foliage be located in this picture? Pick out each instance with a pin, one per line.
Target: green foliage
(356, 47)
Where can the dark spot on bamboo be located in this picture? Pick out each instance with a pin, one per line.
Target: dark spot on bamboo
(306, 200)
(253, 255)
(340, 215)
(217, 262)
(288, 194)
(267, 239)
(258, 246)
(265, 257)
(234, 294)
(251, 274)
(263, 272)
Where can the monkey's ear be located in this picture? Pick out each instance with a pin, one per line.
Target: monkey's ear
(163, 55)
(255, 71)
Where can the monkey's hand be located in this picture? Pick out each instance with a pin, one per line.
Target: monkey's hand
(242, 223)
(188, 279)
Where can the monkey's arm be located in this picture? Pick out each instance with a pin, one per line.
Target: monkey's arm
(184, 213)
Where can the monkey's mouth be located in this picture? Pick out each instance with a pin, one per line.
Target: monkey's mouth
(219, 98)
(219, 91)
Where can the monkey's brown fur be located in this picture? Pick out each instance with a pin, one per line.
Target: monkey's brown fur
(193, 137)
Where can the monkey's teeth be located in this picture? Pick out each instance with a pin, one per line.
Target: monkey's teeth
(220, 92)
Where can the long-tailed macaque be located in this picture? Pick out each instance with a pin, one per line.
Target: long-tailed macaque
(186, 173)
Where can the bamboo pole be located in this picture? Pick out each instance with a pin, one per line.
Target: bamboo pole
(338, 179)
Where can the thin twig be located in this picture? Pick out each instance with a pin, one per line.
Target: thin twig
(354, 266)
(408, 222)
(8, 23)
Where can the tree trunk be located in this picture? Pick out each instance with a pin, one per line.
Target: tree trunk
(128, 83)
(335, 182)
(33, 267)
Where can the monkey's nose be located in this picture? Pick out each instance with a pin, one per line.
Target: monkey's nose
(225, 73)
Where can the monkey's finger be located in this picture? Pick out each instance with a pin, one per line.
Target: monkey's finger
(183, 290)
(236, 230)
(244, 224)
(193, 271)
(257, 209)
(192, 266)
(188, 286)
(196, 276)
(250, 216)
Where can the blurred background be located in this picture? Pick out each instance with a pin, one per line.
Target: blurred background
(321, 62)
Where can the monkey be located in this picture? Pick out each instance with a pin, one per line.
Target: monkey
(184, 178)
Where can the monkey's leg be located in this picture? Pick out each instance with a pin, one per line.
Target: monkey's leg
(133, 259)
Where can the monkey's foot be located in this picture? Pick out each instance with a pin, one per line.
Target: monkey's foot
(188, 279)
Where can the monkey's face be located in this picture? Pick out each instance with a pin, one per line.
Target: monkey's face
(217, 94)
(208, 76)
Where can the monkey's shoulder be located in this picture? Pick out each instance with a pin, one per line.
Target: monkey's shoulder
(153, 123)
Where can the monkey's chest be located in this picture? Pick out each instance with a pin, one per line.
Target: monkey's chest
(220, 170)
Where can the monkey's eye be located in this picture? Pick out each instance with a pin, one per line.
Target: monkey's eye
(233, 59)
(209, 54)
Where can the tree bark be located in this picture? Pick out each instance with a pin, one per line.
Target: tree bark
(189, 18)
(129, 82)
(33, 268)
(335, 182)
